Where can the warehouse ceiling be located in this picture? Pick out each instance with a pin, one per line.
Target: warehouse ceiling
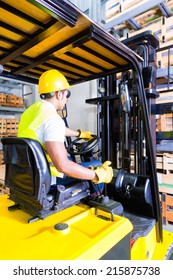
(37, 35)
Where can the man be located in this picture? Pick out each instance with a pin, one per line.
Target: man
(41, 122)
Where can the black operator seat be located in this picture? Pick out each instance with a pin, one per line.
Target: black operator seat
(28, 177)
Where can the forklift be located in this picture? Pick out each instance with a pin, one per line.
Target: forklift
(125, 221)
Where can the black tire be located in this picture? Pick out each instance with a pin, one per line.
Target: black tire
(169, 253)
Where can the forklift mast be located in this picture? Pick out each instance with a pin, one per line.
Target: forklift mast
(121, 124)
(123, 113)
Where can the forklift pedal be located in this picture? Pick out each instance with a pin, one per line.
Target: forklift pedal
(14, 207)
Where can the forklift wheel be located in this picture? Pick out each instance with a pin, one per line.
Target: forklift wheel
(169, 253)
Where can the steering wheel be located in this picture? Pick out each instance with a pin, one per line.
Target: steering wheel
(81, 146)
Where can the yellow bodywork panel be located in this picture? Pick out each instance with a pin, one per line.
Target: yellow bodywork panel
(147, 247)
(87, 235)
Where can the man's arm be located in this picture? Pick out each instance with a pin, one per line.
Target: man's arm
(71, 133)
(78, 133)
(58, 155)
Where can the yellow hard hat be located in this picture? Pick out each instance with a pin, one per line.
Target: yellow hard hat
(51, 81)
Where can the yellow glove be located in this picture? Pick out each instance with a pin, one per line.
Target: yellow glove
(85, 134)
(104, 173)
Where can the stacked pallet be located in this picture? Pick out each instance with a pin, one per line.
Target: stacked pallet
(150, 19)
(3, 188)
(165, 122)
(167, 203)
(8, 127)
(165, 178)
(1, 157)
(164, 162)
(2, 99)
(164, 165)
(12, 127)
(2, 126)
(10, 100)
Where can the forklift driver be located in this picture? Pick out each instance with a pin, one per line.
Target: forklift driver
(41, 122)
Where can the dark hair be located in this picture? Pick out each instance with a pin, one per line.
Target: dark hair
(47, 95)
(51, 94)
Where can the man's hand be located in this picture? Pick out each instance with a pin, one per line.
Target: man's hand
(85, 134)
(104, 173)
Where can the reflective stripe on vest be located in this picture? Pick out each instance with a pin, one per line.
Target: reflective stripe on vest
(30, 121)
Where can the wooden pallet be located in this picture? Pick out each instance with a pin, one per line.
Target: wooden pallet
(1, 158)
(12, 127)
(165, 97)
(10, 100)
(165, 122)
(3, 188)
(19, 102)
(12, 105)
(164, 178)
(2, 98)
(2, 173)
(167, 208)
(164, 162)
(164, 166)
(2, 126)
(163, 28)
(8, 127)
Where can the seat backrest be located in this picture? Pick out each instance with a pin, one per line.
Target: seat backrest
(27, 168)
(29, 179)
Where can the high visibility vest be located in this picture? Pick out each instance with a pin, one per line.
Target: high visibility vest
(30, 121)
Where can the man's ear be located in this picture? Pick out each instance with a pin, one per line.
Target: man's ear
(58, 94)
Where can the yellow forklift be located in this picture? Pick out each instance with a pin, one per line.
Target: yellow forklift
(123, 223)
